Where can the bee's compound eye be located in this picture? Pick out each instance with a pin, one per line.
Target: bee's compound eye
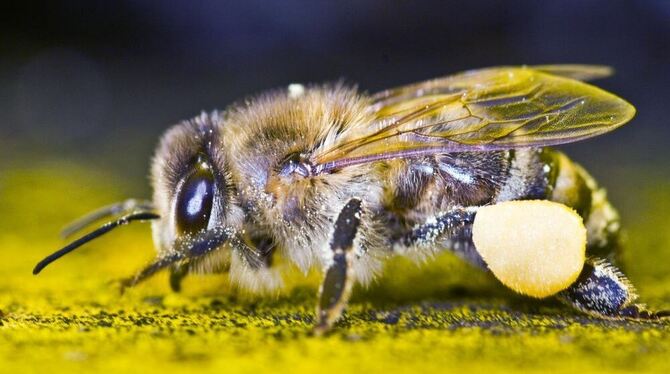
(195, 200)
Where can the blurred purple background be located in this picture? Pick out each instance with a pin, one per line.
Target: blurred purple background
(100, 81)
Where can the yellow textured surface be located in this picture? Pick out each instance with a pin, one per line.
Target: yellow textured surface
(536, 248)
(440, 317)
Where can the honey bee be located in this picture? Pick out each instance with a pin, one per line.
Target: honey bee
(326, 176)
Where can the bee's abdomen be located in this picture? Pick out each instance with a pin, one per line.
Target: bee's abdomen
(551, 175)
(427, 186)
(569, 184)
(420, 188)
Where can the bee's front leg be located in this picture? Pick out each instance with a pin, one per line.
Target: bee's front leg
(338, 281)
(188, 249)
(257, 252)
(177, 274)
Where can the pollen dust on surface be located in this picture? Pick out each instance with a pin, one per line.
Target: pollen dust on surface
(441, 316)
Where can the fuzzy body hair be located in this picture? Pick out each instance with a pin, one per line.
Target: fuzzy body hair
(248, 144)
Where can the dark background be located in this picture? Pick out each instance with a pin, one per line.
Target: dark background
(98, 82)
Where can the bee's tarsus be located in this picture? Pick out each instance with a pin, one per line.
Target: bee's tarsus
(149, 270)
(640, 312)
(177, 274)
(119, 284)
(602, 290)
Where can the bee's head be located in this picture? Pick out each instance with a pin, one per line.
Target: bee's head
(194, 209)
(192, 187)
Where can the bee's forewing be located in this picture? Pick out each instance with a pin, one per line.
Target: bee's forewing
(486, 109)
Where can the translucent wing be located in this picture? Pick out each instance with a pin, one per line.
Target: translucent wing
(482, 110)
(574, 71)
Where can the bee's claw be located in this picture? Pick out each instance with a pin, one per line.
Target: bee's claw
(663, 314)
(639, 311)
(121, 284)
(177, 275)
(320, 330)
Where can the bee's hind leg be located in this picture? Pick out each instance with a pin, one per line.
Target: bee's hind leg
(602, 290)
(338, 281)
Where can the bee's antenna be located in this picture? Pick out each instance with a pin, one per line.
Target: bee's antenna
(123, 207)
(107, 227)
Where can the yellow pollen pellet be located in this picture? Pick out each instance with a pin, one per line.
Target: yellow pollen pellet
(536, 247)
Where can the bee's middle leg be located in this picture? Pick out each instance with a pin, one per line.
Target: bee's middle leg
(335, 290)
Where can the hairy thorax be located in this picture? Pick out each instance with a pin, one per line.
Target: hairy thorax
(270, 142)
